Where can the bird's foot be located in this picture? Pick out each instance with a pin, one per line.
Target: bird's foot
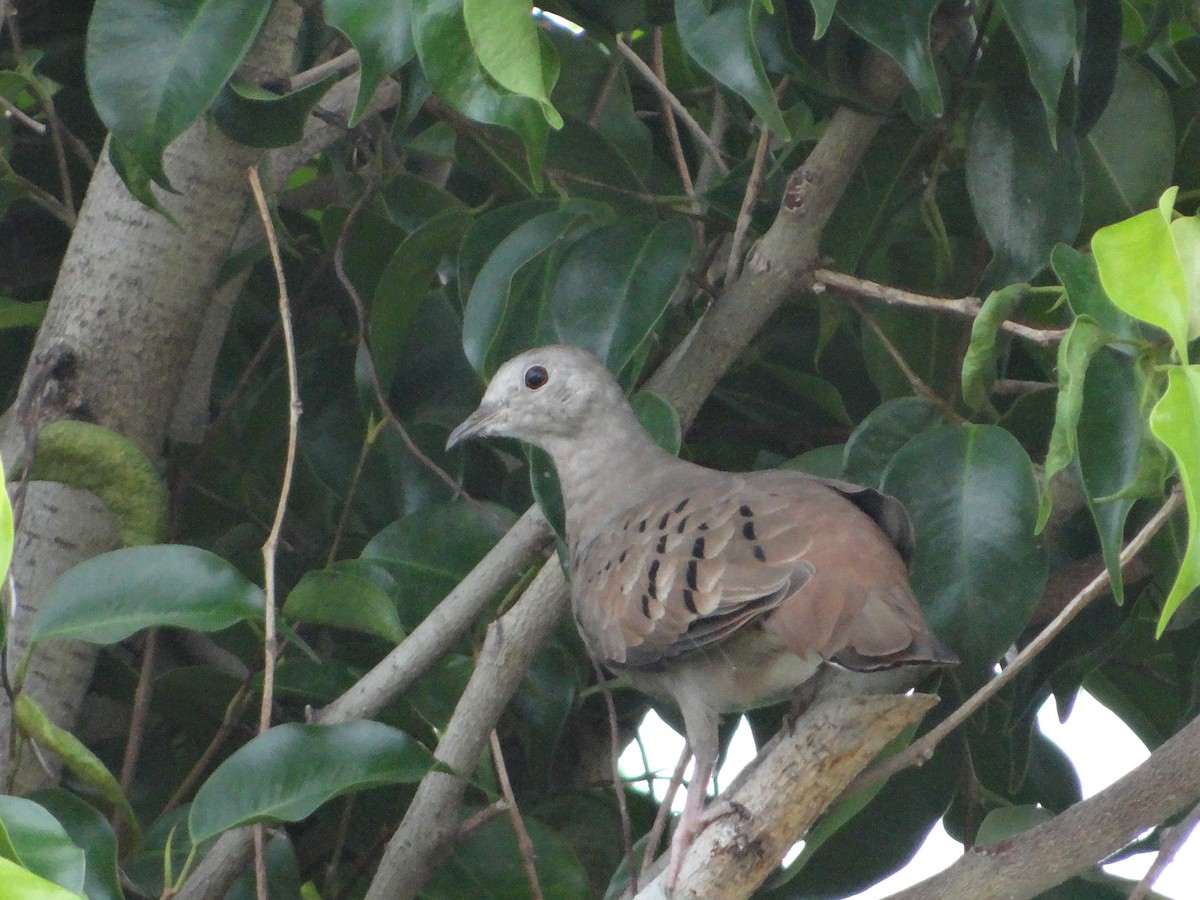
(687, 831)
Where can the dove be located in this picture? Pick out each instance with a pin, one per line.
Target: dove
(716, 591)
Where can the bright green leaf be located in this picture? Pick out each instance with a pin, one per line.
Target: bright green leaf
(350, 594)
(6, 535)
(1185, 232)
(1083, 339)
(720, 37)
(1045, 29)
(1141, 271)
(97, 459)
(977, 568)
(381, 32)
(902, 32)
(979, 363)
(509, 47)
(449, 63)
(1175, 420)
(17, 883)
(153, 68)
(1085, 295)
(287, 772)
(15, 314)
(40, 843)
(105, 599)
(36, 725)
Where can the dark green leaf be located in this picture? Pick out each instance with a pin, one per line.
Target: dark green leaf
(902, 32)
(1099, 57)
(719, 37)
(1129, 155)
(1045, 29)
(258, 118)
(33, 838)
(1008, 821)
(883, 433)
(1026, 194)
(613, 285)
(977, 568)
(153, 69)
(352, 594)
(405, 284)
(88, 829)
(381, 32)
(109, 597)
(823, 15)
(287, 772)
(659, 418)
(1085, 295)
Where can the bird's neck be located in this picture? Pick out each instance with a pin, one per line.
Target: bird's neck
(598, 475)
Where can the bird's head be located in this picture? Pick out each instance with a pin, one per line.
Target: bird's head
(544, 396)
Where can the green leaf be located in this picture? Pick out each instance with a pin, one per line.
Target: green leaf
(6, 537)
(977, 569)
(88, 829)
(33, 838)
(21, 884)
(509, 47)
(1118, 460)
(287, 772)
(500, 321)
(449, 62)
(614, 283)
(1045, 29)
(1085, 295)
(882, 434)
(979, 363)
(659, 418)
(16, 314)
(351, 594)
(85, 765)
(1175, 420)
(1140, 270)
(154, 68)
(405, 284)
(259, 118)
(902, 32)
(822, 16)
(1129, 156)
(105, 599)
(97, 459)
(381, 32)
(1083, 339)
(1027, 194)
(1007, 821)
(720, 38)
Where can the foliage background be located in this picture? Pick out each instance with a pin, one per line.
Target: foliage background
(451, 182)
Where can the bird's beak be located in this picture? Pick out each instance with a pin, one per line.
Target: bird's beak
(474, 424)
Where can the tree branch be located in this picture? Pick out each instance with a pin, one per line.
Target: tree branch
(1072, 842)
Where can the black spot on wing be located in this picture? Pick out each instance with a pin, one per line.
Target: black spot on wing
(690, 602)
(646, 605)
(691, 575)
(662, 523)
(682, 525)
(745, 511)
(682, 503)
(748, 531)
(662, 545)
(652, 577)
(758, 553)
(698, 548)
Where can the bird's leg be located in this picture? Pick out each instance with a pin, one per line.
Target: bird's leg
(692, 820)
(805, 695)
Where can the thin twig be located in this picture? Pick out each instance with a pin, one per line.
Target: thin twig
(270, 645)
(734, 267)
(372, 434)
(342, 64)
(602, 95)
(528, 853)
(473, 823)
(233, 715)
(664, 809)
(918, 385)
(614, 740)
(12, 110)
(668, 118)
(961, 307)
(39, 195)
(691, 124)
(1170, 845)
(137, 720)
(918, 752)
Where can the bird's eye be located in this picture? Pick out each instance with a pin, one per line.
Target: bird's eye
(536, 377)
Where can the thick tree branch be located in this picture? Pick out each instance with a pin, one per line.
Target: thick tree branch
(1073, 841)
